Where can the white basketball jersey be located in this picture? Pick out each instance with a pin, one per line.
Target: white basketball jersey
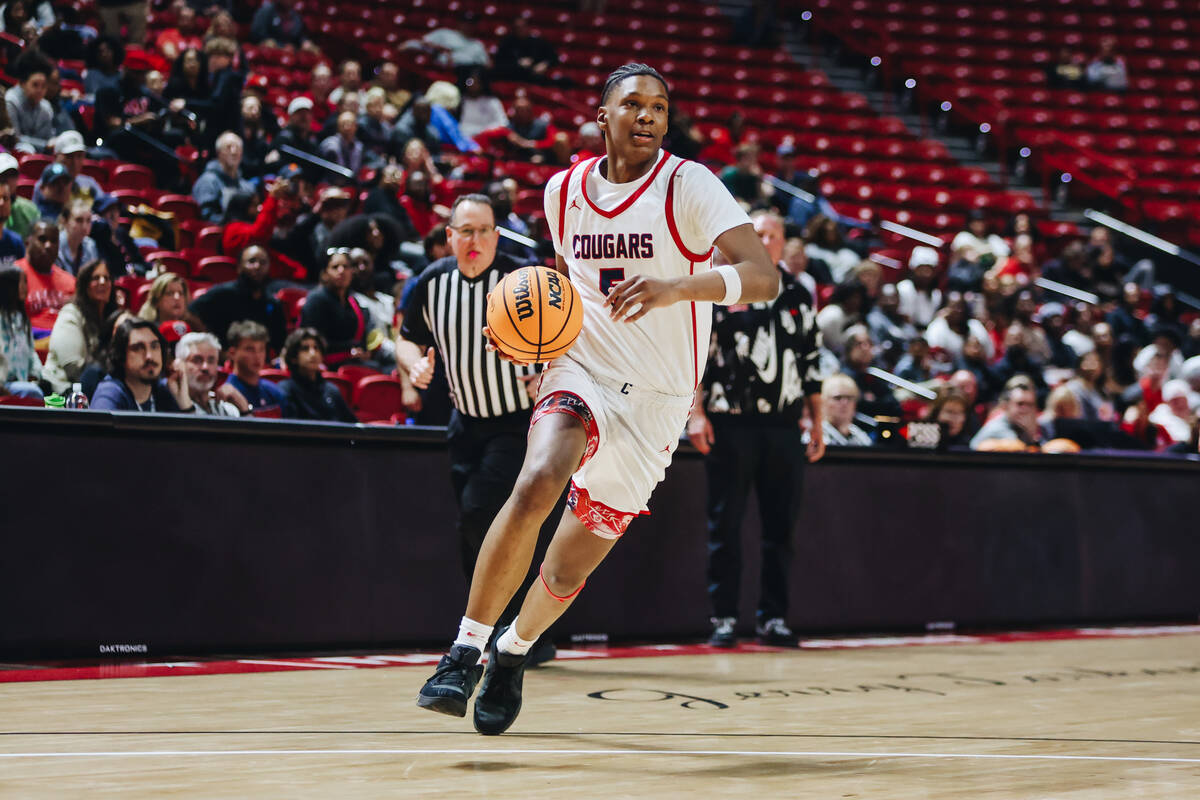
(662, 226)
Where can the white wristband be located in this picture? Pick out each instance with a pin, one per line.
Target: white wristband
(733, 285)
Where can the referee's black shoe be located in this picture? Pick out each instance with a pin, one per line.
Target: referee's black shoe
(499, 699)
(453, 682)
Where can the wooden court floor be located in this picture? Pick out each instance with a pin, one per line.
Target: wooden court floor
(1075, 719)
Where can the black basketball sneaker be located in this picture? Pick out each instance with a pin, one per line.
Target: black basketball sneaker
(452, 683)
(499, 699)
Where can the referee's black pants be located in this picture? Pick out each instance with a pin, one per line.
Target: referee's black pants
(485, 458)
(771, 458)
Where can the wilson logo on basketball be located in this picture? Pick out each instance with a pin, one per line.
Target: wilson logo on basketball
(522, 303)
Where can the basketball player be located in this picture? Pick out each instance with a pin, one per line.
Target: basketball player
(634, 230)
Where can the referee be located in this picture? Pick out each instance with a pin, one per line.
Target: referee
(444, 317)
(762, 373)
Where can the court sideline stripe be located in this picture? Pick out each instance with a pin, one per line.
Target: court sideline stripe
(624, 734)
(505, 752)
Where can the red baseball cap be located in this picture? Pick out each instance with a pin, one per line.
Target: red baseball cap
(174, 330)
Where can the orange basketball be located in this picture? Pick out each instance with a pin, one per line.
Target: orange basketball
(534, 314)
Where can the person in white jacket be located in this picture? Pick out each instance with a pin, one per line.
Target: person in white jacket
(75, 338)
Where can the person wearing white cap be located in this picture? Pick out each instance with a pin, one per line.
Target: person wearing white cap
(920, 298)
(1173, 414)
(24, 211)
(70, 151)
(297, 133)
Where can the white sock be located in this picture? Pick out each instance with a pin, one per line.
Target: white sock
(473, 634)
(511, 643)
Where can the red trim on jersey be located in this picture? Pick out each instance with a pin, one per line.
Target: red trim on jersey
(564, 402)
(604, 521)
(562, 202)
(688, 254)
(628, 200)
(695, 343)
(549, 591)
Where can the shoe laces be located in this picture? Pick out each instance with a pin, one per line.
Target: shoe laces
(723, 625)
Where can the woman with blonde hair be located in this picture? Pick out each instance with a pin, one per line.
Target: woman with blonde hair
(168, 299)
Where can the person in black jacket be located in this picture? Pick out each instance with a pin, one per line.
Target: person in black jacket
(333, 312)
(242, 299)
(306, 394)
(385, 199)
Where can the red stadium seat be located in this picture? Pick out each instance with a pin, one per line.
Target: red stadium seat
(131, 197)
(32, 165)
(356, 372)
(210, 238)
(98, 171)
(171, 261)
(182, 206)
(217, 269)
(132, 176)
(378, 397)
(344, 386)
(274, 375)
(13, 400)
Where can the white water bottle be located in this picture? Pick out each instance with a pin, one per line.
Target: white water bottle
(77, 398)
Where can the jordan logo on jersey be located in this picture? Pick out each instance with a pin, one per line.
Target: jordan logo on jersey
(612, 245)
(575, 204)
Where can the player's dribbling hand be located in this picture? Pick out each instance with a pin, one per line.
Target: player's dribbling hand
(422, 371)
(633, 297)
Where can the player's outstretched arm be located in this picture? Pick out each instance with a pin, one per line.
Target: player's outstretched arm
(633, 297)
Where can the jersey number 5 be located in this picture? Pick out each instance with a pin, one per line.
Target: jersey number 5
(610, 276)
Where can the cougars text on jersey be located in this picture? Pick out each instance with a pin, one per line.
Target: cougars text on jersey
(612, 245)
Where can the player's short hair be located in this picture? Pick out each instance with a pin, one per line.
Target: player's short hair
(474, 197)
(628, 71)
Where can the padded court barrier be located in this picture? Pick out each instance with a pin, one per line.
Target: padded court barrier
(174, 535)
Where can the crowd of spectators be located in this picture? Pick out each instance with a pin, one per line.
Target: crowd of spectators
(332, 201)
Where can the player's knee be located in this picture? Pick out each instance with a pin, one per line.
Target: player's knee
(562, 581)
(540, 485)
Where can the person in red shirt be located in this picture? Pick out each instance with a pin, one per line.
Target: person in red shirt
(1022, 264)
(50, 286)
(283, 203)
(184, 36)
(419, 203)
(318, 93)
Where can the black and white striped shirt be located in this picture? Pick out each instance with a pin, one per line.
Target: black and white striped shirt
(447, 310)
